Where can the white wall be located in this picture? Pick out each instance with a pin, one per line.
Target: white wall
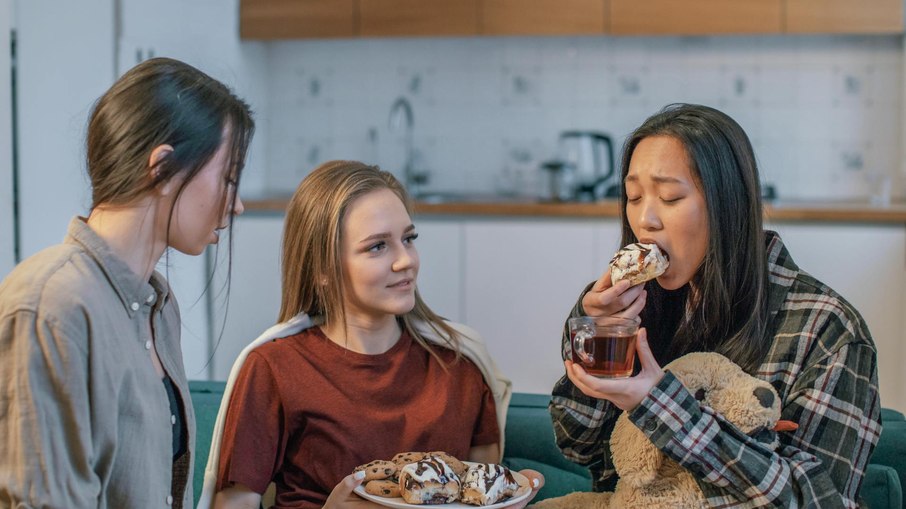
(65, 63)
(824, 112)
(7, 259)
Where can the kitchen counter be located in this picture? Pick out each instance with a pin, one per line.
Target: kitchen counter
(804, 210)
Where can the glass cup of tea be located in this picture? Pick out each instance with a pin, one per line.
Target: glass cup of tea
(604, 346)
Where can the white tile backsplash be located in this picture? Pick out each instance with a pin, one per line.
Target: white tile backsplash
(824, 112)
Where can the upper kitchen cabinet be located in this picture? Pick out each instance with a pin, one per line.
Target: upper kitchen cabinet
(418, 17)
(289, 19)
(297, 19)
(543, 17)
(844, 16)
(695, 17)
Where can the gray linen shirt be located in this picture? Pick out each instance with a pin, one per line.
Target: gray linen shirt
(84, 416)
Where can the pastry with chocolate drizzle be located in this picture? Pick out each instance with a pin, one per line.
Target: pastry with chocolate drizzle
(429, 481)
(638, 263)
(486, 484)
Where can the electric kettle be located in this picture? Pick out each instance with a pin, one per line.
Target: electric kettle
(590, 156)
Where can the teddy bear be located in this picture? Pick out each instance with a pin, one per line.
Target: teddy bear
(648, 479)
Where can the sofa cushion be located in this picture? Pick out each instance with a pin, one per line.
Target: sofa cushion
(530, 443)
(557, 482)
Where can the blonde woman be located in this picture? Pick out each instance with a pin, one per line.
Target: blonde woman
(359, 368)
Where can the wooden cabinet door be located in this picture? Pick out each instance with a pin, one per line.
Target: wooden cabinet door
(418, 17)
(695, 17)
(844, 16)
(294, 19)
(542, 17)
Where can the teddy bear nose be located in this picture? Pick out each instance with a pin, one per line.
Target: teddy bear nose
(765, 396)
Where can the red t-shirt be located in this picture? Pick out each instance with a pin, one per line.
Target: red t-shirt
(305, 412)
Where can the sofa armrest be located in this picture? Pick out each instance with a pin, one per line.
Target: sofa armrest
(890, 452)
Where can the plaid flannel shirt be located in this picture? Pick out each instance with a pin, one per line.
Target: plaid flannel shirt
(823, 365)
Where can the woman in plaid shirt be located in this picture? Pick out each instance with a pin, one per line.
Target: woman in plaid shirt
(691, 186)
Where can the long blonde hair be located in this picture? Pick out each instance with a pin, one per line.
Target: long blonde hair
(311, 269)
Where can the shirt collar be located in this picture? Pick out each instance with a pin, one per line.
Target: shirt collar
(782, 271)
(132, 291)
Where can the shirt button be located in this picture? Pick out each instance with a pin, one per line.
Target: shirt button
(169, 499)
(172, 419)
(150, 299)
(148, 345)
(134, 306)
(651, 425)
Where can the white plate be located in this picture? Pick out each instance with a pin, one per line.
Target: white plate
(524, 491)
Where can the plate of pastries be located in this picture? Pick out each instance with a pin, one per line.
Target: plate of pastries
(438, 478)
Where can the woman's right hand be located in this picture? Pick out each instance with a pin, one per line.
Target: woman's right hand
(607, 299)
(342, 496)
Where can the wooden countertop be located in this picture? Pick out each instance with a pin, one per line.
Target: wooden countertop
(811, 211)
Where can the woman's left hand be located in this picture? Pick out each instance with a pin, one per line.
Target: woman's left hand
(625, 393)
(536, 479)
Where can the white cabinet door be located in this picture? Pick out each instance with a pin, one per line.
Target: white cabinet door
(65, 62)
(254, 296)
(7, 236)
(522, 277)
(440, 277)
(866, 264)
(204, 34)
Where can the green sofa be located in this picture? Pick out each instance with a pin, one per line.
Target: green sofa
(530, 444)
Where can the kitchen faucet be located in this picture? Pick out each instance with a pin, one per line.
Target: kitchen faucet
(401, 117)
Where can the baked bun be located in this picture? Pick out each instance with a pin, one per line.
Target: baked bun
(638, 263)
(458, 466)
(429, 481)
(486, 484)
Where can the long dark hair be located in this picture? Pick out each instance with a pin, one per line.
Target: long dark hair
(163, 101)
(724, 308)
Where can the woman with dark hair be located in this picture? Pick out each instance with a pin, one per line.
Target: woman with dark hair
(94, 402)
(359, 367)
(691, 186)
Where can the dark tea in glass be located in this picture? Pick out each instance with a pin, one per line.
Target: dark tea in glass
(604, 346)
